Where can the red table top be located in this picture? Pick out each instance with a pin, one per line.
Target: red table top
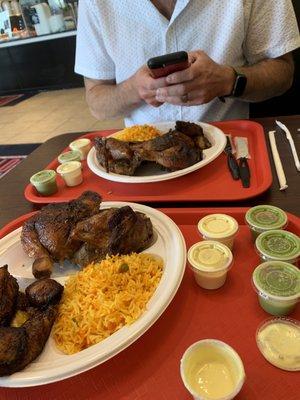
(210, 183)
(149, 368)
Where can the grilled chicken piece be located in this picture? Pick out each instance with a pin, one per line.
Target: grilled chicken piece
(9, 289)
(113, 231)
(194, 131)
(44, 292)
(116, 156)
(46, 236)
(20, 346)
(173, 151)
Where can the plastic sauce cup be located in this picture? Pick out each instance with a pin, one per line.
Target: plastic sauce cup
(71, 173)
(277, 284)
(211, 369)
(219, 227)
(264, 218)
(82, 145)
(72, 155)
(278, 245)
(210, 262)
(45, 182)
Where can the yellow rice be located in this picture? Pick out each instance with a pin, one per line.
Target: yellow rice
(137, 133)
(99, 300)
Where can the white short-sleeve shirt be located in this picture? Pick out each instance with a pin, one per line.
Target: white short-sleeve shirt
(116, 37)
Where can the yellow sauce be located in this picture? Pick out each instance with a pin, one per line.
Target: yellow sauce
(213, 379)
(279, 342)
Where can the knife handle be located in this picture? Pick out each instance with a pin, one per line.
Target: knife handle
(233, 166)
(244, 172)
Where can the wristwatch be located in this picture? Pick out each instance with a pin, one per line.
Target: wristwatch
(239, 84)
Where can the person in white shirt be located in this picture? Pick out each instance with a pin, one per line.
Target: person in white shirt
(225, 40)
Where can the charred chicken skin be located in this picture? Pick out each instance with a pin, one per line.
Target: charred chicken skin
(78, 231)
(178, 149)
(9, 289)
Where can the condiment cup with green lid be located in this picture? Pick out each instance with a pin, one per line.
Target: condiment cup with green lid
(71, 173)
(45, 182)
(278, 245)
(71, 155)
(263, 218)
(219, 227)
(277, 284)
(210, 262)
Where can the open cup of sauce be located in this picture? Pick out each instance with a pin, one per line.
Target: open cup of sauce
(219, 227)
(82, 145)
(277, 284)
(263, 218)
(71, 173)
(210, 262)
(211, 369)
(278, 339)
(278, 245)
(72, 155)
(45, 182)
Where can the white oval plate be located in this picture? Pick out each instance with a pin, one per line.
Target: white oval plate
(150, 172)
(52, 365)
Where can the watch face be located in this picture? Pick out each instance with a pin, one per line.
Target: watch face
(240, 85)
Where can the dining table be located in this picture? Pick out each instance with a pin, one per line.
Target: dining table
(139, 377)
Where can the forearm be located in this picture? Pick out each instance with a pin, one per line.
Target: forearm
(268, 78)
(111, 100)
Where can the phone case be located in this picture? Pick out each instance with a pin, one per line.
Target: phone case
(168, 63)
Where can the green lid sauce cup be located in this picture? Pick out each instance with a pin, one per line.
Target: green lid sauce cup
(278, 245)
(71, 155)
(45, 182)
(263, 218)
(277, 284)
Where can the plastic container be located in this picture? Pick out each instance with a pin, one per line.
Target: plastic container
(45, 182)
(278, 245)
(71, 173)
(278, 339)
(82, 145)
(264, 218)
(210, 262)
(277, 284)
(219, 227)
(72, 155)
(211, 369)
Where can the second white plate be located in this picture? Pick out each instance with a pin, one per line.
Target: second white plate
(150, 172)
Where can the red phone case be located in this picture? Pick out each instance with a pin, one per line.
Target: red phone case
(169, 69)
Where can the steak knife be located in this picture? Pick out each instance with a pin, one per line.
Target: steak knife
(231, 160)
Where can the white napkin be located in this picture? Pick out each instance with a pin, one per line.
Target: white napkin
(278, 165)
(292, 144)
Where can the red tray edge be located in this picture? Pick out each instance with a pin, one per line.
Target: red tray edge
(265, 185)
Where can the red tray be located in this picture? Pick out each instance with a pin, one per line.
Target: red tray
(149, 368)
(211, 183)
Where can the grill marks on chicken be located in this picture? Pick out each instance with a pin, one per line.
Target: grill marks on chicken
(178, 149)
(46, 236)
(82, 235)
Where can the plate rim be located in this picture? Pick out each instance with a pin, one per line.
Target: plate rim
(92, 360)
(94, 166)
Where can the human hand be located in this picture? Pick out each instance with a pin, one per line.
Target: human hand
(146, 86)
(203, 81)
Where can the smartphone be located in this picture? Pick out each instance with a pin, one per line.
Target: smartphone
(168, 63)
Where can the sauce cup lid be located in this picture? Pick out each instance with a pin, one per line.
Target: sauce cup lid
(277, 280)
(273, 345)
(44, 176)
(79, 143)
(210, 256)
(217, 226)
(72, 155)
(278, 245)
(68, 167)
(266, 217)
